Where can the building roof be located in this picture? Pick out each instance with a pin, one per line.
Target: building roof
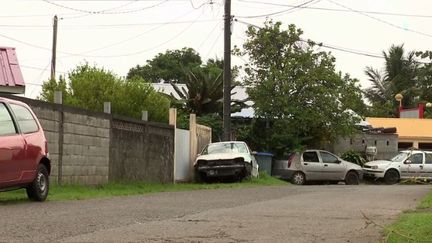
(406, 127)
(11, 79)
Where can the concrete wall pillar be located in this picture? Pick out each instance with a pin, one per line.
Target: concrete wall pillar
(193, 144)
(173, 122)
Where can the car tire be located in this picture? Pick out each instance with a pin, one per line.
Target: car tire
(39, 188)
(391, 177)
(298, 178)
(352, 178)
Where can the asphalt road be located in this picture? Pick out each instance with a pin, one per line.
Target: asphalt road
(329, 213)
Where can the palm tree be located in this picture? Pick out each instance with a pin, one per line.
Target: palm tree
(399, 76)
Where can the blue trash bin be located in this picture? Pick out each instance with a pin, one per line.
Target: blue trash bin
(264, 161)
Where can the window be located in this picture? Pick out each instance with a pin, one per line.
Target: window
(25, 119)
(428, 157)
(425, 146)
(328, 158)
(416, 158)
(404, 145)
(7, 126)
(310, 157)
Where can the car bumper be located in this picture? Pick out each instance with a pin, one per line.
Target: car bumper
(369, 173)
(221, 170)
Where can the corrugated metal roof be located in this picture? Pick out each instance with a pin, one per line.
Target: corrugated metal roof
(406, 127)
(11, 79)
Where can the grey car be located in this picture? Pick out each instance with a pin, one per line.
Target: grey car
(317, 165)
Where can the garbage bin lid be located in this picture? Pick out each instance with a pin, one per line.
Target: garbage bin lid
(264, 154)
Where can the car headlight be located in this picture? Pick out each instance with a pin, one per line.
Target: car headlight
(374, 167)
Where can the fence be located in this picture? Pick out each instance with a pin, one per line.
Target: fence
(94, 148)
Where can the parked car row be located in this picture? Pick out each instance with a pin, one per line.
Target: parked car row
(320, 165)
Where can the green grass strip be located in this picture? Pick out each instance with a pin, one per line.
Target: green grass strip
(80, 192)
(413, 226)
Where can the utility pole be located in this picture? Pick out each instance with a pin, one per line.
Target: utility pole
(227, 73)
(54, 48)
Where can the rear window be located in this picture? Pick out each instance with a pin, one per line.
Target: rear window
(7, 126)
(25, 119)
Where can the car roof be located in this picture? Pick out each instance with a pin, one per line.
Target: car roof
(415, 151)
(228, 142)
(6, 100)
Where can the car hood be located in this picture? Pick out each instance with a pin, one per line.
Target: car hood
(225, 156)
(379, 162)
(352, 165)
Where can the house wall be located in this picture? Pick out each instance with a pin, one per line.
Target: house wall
(386, 144)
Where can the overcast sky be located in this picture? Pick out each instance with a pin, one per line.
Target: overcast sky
(120, 34)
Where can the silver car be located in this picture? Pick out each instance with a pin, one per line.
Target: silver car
(318, 165)
(407, 164)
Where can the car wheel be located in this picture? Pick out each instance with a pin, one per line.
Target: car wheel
(351, 178)
(391, 177)
(298, 178)
(38, 189)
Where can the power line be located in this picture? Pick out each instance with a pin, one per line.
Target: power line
(339, 10)
(130, 38)
(105, 11)
(279, 12)
(381, 20)
(343, 49)
(145, 50)
(109, 25)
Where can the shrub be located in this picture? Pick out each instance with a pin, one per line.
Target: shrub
(353, 157)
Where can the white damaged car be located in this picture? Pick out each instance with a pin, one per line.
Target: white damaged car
(407, 164)
(224, 160)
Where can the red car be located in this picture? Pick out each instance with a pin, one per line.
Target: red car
(24, 160)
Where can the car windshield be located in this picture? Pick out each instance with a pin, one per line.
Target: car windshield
(223, 148)
(400, 157)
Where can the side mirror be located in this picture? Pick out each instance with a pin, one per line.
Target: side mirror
(198, 155)
(338, 161)
(407, 161)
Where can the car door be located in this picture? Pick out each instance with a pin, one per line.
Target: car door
(29, 128)
(311, 165)
(333, 169)
(413, 166)
(427, 166)
(12, 148)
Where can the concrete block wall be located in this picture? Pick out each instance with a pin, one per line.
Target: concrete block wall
(86, 140)
(141, 151)
(85, 148)
(387, 144)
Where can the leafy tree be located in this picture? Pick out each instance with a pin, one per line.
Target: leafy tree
(89, 87)
(171, 66)
(52, 85)
(296, 89)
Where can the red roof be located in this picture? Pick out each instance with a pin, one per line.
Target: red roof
(11, 79)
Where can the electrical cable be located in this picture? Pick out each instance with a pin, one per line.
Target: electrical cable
(343, 49)
(145, 50)
(279, 12)
(105, 11)
(339, 10)
(381, 20)
(128, 39)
